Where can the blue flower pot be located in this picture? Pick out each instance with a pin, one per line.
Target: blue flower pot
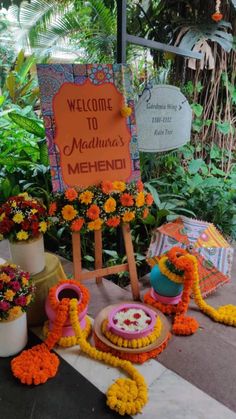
(163, 285)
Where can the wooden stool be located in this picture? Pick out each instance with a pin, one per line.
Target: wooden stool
(99, 271)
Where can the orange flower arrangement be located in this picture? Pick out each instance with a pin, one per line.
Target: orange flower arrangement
(84, 295)
(108, 204)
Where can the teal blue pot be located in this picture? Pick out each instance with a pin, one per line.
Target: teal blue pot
(163, 285)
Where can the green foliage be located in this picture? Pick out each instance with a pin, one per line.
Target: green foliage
(202, 189)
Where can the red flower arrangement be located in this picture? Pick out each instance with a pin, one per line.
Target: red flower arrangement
(108, 204)
(16, 291)
(22, 218)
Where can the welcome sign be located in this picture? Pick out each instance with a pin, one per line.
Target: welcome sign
(88, 139)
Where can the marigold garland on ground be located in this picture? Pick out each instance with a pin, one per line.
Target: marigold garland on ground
(67, 341)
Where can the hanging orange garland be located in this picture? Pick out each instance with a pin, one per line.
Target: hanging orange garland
(217, 16)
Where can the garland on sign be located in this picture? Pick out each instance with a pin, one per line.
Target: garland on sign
(37, 365)
(187, 263)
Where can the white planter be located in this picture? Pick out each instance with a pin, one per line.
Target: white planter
(13, 336)
(29, 255)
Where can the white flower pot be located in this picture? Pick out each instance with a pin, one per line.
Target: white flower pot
(29, 255)
(13, 336)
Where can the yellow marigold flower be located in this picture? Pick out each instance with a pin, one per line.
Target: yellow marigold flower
(28, 299)
(2, 216)
(1, 237)
(86, 197)
(95, 225)
(128, 216)
(126, 111)
(140, 200)
(68, 212)
(13, 204)
(43, 226)
(34, 211)
(22, 235)
(119, 186)
(24, 280)
(4, 277)
(110, 205)
(18, 217)
(9, 295)
(14, 312)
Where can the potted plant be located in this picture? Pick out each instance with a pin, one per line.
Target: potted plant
(15, 295)
(23, 221)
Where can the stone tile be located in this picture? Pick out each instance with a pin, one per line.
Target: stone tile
(170, 397)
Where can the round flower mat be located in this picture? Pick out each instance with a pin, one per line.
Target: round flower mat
(103, 315)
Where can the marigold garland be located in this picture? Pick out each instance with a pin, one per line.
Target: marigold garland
(125, 396)
(38, 364)
(136, 358)
(82, 304)
(182, 325)
(132, 343)
(67, 341)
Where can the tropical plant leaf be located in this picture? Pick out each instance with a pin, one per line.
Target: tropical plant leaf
(30, 125)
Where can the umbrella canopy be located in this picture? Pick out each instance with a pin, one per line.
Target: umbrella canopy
(213, 252)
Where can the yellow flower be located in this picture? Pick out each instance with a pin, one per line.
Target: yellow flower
(4, 277)
(9, 295)
(18, 217)
(22, 235)
(24, 280)
(86, 197)
(119, 186)
(14, 312)
(128, 216)
(68, 212)
(110, 205)
(1, 237)
(3, 215)
(140, 200)
(95, 225)
(13, 204)
(126, 111)
(33, 211)
(28, 299)
(43, 226)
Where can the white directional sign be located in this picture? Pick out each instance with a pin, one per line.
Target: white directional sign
(163, 118)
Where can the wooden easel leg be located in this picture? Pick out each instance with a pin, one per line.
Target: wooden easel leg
(131, 262)
(98, 252)
(77, 264)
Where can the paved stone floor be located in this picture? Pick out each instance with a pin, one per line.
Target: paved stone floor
(194, 378)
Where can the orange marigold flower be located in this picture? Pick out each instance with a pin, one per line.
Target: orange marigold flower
(127, 200)
(86, 197)
(93, 212)
(52, 209)
(128, 216)
(77, 224)
(71, 194)
(140, 199)
(126, 111)
(140, 186)
(110, 205)
(149, 199)
(113, 222)
(106, 187)
(119, 186)
(145, 213)
(217, 16)
(95, 225)
(68, 212)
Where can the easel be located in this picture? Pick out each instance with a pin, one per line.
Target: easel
(99, 271)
